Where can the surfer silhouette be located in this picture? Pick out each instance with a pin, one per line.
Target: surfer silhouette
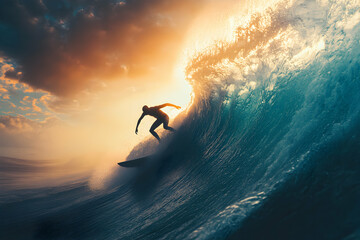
(161, 118)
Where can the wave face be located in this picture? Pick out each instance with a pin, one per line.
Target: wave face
(269, 150)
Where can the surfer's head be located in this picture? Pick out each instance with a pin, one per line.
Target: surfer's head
(145, 108)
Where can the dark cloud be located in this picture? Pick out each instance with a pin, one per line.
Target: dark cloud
(62, 46)
(12, 74)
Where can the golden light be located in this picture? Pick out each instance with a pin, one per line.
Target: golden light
(107, 120)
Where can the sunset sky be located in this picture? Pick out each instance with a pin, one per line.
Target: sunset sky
(75, 74)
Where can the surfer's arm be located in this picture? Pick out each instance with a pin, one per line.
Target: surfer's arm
(168, 105)
(137, 125)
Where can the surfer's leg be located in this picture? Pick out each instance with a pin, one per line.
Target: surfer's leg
(166, 126)
(153, 127)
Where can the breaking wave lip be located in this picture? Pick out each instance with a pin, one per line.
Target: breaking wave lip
(269, 112)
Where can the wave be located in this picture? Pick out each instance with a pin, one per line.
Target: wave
(269, 148)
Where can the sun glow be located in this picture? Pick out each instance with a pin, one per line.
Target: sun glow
(214, 26)
(103, 118)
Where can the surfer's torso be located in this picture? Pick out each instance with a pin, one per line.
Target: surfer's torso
(156, 113)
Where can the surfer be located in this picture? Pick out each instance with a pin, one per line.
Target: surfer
(161, 118)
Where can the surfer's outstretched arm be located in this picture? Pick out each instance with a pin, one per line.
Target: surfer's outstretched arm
(168, 105)
(137, 125)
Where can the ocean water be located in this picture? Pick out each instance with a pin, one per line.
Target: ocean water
(269, 149)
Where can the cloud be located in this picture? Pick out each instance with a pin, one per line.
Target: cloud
(10, 103)
(20, 134)
(65, 46)
(18, 123)
(27, 99)
(24, 108)
(3, 90)
(12, 74)
(22, 124)
(36, 108)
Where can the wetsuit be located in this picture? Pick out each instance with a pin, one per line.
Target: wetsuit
(161, 118)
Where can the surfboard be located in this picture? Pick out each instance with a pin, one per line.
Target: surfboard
(137, 162)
